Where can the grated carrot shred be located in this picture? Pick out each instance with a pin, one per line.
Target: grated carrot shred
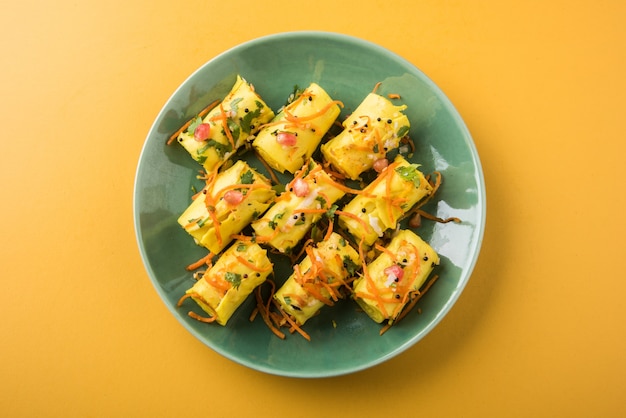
(299, 119)
(223, 117)
(201, 318)
(204, 260)
(264, 310)
(293, 323)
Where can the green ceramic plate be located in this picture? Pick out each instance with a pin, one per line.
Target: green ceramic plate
(344, 339)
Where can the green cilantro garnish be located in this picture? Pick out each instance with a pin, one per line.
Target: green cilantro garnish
(234, 128)
(220, 148)
(321, 200)
(233, 278)
(273, 224)
(330, 213)
(402, 131)
(193, 125)
(246, 121)
(241, 247)
(409, 173)
(350, 265)
(234, 105)
(246, 178)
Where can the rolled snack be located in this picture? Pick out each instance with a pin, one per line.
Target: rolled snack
(390, 281)
(289, 140)
(373, 129)
(305, 200)
(227, 204)
(379, 205)
(225, 286)
(213, 139)
(318, 279)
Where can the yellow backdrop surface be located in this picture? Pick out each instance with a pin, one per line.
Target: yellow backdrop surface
(540, 329)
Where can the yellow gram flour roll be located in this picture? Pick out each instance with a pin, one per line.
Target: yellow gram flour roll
(289, 140)
(373, 129)
(225, 286)
(319, 278)
(379, 205)
(213, 139)
(390, 281)
(305, 200)
(228, 203)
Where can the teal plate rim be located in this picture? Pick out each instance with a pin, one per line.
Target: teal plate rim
(343, 340)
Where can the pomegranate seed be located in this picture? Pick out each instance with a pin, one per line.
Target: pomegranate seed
(286, 138)
(202, 131)
(300, 187)
(395, 270)
(380, 164)
(233, 197)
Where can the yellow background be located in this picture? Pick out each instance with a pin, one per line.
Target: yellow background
(539, 330)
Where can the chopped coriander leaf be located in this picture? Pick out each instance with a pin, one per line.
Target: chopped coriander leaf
(409, 173)
(220, 148)
(273, 224)
(233, 278)
(402, 131)
(350, 265)
(234, 128)
(241, 247)
(234, 105)
(192, 127)
(330, 213)
(287, 300)
(321, 200)
(246, 121)
(246, 178)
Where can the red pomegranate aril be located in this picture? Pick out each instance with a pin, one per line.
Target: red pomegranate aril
(202, 132)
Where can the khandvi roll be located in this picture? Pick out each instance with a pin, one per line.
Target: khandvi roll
(289, 140)
(305, 200)
(374, 128)
(228, 203)
(318, 279)
(390, 281)
(225, 286)
(381, 203)
(213, 139)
